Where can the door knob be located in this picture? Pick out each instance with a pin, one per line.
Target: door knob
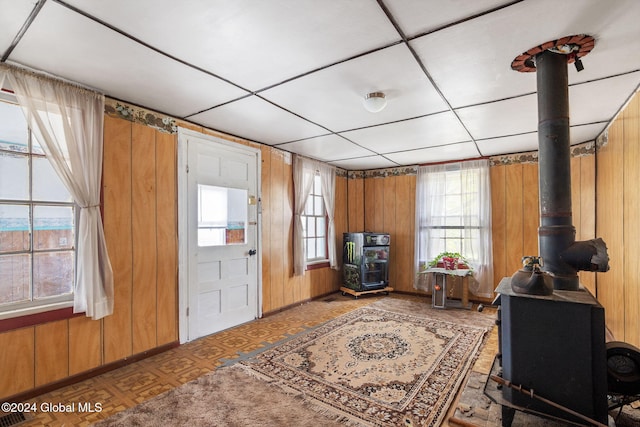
(252, 252)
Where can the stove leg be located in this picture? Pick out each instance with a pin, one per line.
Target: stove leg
(507, 416)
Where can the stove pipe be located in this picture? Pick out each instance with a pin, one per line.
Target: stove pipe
(562, 255)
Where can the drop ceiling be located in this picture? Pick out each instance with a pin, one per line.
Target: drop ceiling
(293, 73)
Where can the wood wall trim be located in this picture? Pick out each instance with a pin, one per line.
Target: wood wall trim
(37, 319)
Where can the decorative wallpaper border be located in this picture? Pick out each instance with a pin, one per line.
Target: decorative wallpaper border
(140, 115)
(578, 150)
(168, 124)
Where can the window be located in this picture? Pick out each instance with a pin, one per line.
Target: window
(37, 223)
(314, 224)
(453, 214)
(447, 229)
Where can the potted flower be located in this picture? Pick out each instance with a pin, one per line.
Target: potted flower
(450, 261)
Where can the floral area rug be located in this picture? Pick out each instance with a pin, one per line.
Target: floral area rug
(377, 366)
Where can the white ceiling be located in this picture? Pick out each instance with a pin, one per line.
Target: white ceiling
(293, 73)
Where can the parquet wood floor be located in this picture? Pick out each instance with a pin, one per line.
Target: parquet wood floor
(130, 385)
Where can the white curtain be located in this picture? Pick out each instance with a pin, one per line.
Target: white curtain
(303, 172)
(456, 195)
(68, 123)
(328, 180)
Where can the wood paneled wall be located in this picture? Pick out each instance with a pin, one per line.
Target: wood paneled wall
(280, 288)
(139, 214)
(387, 205)
(140, 208)
(618, 223)
(516, 214)
(140, 219)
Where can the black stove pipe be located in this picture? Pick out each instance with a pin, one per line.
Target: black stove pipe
(562, 255)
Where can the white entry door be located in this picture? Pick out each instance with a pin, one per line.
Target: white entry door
(222, 235)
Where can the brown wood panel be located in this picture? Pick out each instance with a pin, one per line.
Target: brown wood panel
(530, 209)
(631, 136)
(514, 247)
(576, 196)
(377, 204)
(85, 337)
(51, 352)
(116, 190)
(265, 206)
(17, 359)
(610, 285)
(369, 205)
(388, 207)
(144, 233)
(355, 202)
(167, 238)
(404, 238)
(277, 195)
(587, 224)
(340, 219)
(499, 223)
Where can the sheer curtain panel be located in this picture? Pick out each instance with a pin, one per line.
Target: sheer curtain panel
(303, 172)
(453, 213)
(68, 123)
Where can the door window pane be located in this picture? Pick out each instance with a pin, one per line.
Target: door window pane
(222, 215)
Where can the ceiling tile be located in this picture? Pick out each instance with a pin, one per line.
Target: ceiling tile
(437, 129)
(333, 96)
(326, 148)
(97, 57)
(600, 100)
(258, 120)
(307, 65)
(471, 62)
(365, 163)
(509, 144)
(529, 141)
(12, 17)
(419, 16)
(509, 117)
(254, 43)
(460, 151)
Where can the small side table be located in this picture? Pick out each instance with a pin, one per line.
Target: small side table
(439, 297)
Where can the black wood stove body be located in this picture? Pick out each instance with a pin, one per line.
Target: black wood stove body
(554, 345)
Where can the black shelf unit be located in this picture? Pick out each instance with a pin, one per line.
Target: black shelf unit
(365, 261)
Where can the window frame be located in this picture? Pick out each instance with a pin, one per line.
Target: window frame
(316, 194)
(58, 306)
(443, 226)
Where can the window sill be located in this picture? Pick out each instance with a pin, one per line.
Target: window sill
(36, 317)
(318, 264)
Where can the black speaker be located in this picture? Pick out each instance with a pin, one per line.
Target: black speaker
(623, 368)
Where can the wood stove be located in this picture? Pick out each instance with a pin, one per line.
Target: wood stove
(552, 331)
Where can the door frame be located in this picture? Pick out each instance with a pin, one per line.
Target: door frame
(183, 242)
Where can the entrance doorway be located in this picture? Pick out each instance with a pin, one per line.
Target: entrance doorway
(218, 190)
